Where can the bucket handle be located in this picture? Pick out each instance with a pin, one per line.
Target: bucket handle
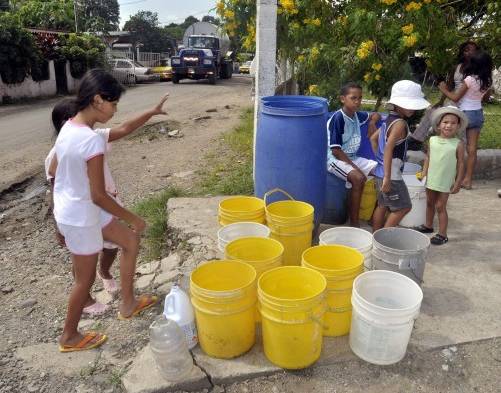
(274, 190)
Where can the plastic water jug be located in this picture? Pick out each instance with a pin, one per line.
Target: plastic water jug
(178, 308)
(170, 349)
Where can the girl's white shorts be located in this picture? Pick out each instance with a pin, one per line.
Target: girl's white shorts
(86, 240)
(82, 240)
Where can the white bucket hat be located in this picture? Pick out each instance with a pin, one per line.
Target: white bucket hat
(408, 95)
(439, 113)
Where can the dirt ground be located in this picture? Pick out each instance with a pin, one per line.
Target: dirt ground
(35, 278)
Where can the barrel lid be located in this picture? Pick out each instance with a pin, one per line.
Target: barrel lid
(292, 106)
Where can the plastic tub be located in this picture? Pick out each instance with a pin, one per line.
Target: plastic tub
(359, 239)
(339, 265)
(238, 230)
(401, 250)
(417, 192)
(291, 303)
(385, 305)
(223, 294)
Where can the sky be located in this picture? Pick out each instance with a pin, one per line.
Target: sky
(169, 11)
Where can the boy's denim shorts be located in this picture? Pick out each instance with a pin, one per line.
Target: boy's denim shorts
(475, 118)
(397, 199)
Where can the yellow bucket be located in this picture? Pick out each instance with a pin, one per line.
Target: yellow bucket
(241, 208)
(261, 253)
(340, 265)
(291, 302)
(223, 294)
(368, 201)
(291, 223)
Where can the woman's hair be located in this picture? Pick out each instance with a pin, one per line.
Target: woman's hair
(63, 111)
(462, 47)
(97, 82)
(480, 66)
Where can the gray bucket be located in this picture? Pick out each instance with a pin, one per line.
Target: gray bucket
(400, 250)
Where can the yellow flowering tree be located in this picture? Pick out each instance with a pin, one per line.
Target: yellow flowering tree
(371, 41)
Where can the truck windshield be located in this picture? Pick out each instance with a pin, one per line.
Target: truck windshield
(203, 42)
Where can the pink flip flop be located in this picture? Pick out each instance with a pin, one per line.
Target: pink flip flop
(96, 309)
(110, 285)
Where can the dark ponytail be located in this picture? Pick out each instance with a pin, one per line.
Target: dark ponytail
(63, 111)
(481, 66)
(97, 82)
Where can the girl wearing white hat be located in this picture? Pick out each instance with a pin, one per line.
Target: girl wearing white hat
(444, 168)
(390, 145)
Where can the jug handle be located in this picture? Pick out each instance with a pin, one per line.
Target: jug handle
(274, 190)
(170, 303)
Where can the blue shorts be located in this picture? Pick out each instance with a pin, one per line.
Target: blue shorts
(475, 118)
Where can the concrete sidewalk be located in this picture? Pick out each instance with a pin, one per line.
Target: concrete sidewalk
(462, 283)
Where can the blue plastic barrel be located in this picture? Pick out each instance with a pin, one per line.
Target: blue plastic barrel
(336, 201)
(291, 149)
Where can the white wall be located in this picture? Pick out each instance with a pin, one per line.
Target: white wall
(71, 82)
(30, 88)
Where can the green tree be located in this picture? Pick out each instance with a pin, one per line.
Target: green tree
(50, 14)
(144, 25)
(98, 15)
(188, 22)
(174, 31)
(84, 51)
(331, 42)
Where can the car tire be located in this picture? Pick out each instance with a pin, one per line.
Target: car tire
(175, 79)
(212, 80)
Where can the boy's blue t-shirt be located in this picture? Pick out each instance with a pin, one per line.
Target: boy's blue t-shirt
(344, 132)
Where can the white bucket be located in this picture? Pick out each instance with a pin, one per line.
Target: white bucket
(237, 230)
(411, 168)
(356, 238)
(401, 250)
(385, 305)
(417, 192)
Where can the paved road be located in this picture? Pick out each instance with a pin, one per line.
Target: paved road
(26, 133)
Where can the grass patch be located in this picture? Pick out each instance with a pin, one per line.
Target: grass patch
(154, 212)
(229, 169)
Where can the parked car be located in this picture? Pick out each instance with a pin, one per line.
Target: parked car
(140, 72)
(245, 68)
(163, 69)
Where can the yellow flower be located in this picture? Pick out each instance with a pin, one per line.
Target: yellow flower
(410, 40)
(220, 7)
(313, 89)
(367, 77)
(413, 6)
(314, 53)
(377, 66)
(289, 6)
(342, 19)
(407, 29)
(300, 58)
(229, 14)
(377, 77)
(427, 1)
(316, 22)
(295, 25)
(364, 49)
(388, 2)
(428, 62)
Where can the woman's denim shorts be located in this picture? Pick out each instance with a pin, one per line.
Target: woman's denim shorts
(475, 118)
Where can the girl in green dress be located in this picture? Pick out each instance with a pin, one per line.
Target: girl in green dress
(443, 168)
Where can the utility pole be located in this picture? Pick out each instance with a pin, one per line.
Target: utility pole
(75, 13)
(266, 56)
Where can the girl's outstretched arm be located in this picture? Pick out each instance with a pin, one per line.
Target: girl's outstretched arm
(137, 121)
(102, 199)
(454, 96)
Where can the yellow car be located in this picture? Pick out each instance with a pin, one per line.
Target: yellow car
(163, 69)
(245, 68)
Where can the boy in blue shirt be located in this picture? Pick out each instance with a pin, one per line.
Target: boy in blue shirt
(344, 139)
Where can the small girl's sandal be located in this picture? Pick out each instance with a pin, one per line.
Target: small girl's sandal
(424, 229)
(439, 240)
